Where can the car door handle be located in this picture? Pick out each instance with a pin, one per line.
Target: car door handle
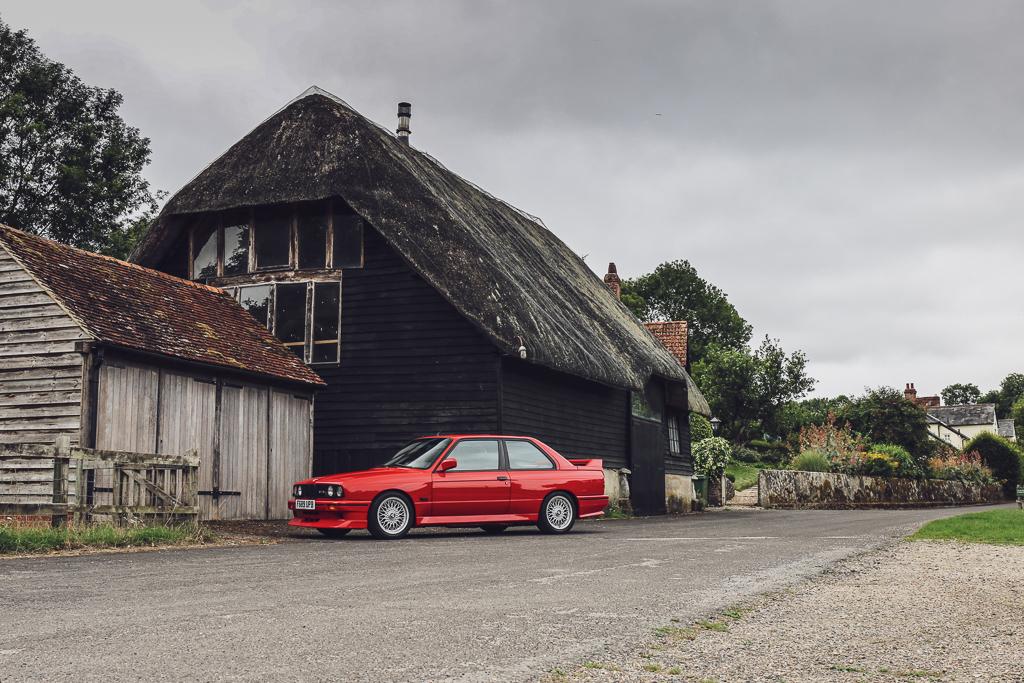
(503, 478)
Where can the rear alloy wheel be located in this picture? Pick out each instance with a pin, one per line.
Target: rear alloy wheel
(390, 516)
(493, 528)
(557, 514)
(334, 533)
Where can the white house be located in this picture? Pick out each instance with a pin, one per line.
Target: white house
(956, 425)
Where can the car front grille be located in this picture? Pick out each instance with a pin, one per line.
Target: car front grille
(313, 491)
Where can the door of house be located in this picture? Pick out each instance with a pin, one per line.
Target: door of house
(647, 464)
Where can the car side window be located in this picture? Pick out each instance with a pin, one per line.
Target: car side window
(476, 455)
(523, 455)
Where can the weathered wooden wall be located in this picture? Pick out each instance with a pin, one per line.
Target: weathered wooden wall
(410, 365)
(576, 417)
(253, 440)
(40, 371)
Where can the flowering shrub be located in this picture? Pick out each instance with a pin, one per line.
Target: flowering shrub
(838, 443)
(710, 456)
(879, 465)
(965, 467)
(898, 461)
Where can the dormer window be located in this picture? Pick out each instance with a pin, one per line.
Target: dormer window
(312, 236)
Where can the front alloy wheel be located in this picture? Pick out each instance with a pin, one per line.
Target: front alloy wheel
(557, 514)
(390, 516)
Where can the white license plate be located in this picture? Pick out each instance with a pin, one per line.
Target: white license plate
(305, 505)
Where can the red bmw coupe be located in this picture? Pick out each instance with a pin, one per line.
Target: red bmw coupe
(493, 482)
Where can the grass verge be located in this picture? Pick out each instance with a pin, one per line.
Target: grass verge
(745, 473)
(33, 539)
(999, 527)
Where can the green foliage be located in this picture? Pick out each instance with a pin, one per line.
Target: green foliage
(961, 394)
(811, 460)
(770, 452)
(1011, 390)
(674, 291)
(700, 428)
(903, 463)
(965, 467)
(70, 168)
(1001, 527)
(743, 475)
(1017, 413)
(883, 415)
(1001, 456)
(748, 391)
(32, 539)
(710, 456)
(744, 454)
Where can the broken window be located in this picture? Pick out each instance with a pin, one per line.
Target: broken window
(256, 300)
(311, 228)
(326, 311)
(348, 237)
(236, 245)
(290, 316)
(272, 237)
(204, 250)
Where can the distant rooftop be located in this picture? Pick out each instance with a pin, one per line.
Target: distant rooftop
(961, 416)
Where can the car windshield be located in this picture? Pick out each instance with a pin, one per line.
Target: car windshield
(419, 454)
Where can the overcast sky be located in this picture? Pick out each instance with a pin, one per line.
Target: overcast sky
(851, 174)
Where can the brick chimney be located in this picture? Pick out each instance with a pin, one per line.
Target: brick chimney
(910, 393)
(611, 279)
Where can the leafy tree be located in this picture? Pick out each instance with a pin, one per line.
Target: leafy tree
(700, 428)
(961, 394)
(1017, 413)
(674, 291)
(1011, 389)
(884, 416)
(748, 390)
(70, 168)
(1000, 455)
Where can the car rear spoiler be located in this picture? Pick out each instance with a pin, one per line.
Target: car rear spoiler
(587, 463)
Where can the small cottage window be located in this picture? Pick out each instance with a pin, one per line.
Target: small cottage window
(673, 435)
(236, 245)
(348, 238)
(326, 314)
(290, 317)
(204, 250)
(272, 237)
(257, 301)
(311, 232)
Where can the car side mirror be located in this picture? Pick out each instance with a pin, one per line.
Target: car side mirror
(448, 464)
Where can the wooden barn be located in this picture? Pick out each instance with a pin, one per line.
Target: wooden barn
(118, 357)
(426, 304)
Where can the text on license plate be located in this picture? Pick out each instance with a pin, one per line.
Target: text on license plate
(305, 505)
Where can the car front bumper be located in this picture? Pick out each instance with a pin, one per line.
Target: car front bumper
(330, 514)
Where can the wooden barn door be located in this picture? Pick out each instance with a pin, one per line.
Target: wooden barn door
(647, 481)
(242, 474)
(291, 448)
(188, 423)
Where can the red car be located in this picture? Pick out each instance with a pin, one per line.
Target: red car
(492, 482)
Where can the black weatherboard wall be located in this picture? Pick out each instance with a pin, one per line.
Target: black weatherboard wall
(410, 366)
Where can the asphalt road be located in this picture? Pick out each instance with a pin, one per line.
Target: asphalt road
(437, 605)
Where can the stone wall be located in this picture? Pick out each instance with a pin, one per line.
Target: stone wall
(823, 490)
(678, 491)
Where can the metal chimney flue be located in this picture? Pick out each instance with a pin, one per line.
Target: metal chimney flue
(404, 114)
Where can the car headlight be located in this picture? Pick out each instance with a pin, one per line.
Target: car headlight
(297, 490)
(335, 491)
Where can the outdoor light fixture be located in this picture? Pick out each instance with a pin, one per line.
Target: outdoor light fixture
(715, 424)
(522, 348)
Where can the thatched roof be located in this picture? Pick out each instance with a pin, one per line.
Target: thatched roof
(499, 267)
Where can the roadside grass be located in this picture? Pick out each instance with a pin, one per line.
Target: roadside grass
(17, 539)
(745, 474)
(613, 511)
(997, 527)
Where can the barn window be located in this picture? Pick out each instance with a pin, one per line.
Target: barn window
(272, 237)
(311, 232)
(673, 434)
(236, 244)
(204, 250)
(326, 313)
(348, 238)
(257, 301)
(290, 316)
(642, 407)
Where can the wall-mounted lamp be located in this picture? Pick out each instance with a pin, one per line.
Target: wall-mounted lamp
(715, 424)
(522, 348)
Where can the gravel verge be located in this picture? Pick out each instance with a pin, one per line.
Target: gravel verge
(939, 611)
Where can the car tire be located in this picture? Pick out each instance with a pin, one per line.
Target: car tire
(391, 516)
(557, 513)
(334, 533)
(492, 529)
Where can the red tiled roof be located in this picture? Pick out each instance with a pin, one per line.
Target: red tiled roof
(137, 308)
(672, 335)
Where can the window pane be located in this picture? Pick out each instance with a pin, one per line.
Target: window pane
(290, 317)
(673, 434)
(256, 300)
(348, 238)
(325, 322)
(523, 455)
(273, 237)
(204, 250)
(475, 455)
(236, 246)
(312, 228)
